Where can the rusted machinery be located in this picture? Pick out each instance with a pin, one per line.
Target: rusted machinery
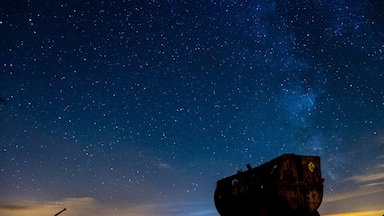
(287, 185)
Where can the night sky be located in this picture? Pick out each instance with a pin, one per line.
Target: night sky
(138, 107)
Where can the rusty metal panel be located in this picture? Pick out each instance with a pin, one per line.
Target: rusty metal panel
(288, 183)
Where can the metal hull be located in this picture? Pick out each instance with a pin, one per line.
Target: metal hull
(289, 184)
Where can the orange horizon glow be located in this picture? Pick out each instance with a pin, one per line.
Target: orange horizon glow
(85, 206)
(362, 213)
(88, 206)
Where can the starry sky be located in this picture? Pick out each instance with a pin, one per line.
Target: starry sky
(138, 107)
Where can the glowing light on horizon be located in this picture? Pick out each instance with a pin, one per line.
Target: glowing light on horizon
(363, 213)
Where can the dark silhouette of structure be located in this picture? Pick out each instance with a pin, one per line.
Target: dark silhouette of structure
(287, 185)
(60, 212)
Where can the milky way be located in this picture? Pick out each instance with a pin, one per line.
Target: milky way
(141, 106)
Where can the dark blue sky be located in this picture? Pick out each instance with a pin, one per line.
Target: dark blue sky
(128, 105)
